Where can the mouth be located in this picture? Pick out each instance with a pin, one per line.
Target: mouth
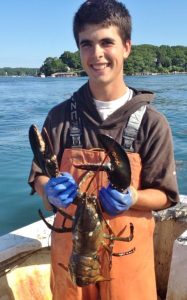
(100, 66)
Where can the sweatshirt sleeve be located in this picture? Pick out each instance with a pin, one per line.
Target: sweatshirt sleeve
(159, 169)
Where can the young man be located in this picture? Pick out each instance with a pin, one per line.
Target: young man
(105, 104)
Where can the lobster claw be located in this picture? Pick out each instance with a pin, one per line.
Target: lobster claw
(118, 169)
(43, 156)
(43, 152)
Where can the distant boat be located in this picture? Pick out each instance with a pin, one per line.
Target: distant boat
(42, 75)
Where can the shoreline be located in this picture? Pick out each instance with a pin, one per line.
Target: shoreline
(76, 75)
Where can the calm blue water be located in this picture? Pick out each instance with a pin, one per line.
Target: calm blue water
(24, 101)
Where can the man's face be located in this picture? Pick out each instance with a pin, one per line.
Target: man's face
(102, 54)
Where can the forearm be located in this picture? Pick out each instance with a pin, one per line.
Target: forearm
(151, 199)
(39, 183)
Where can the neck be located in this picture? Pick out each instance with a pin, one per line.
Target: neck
(108, 92)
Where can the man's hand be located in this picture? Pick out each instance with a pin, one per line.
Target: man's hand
(114, 202)
(61, 191)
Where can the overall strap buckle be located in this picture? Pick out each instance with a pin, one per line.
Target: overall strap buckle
(75, 125)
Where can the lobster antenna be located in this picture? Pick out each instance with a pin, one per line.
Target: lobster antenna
(99, 169)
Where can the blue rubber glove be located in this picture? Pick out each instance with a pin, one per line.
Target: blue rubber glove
(61, 190)
(114, 202)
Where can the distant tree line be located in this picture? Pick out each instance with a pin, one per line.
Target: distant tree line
(144, 59)
(154, 59)
(18, 71)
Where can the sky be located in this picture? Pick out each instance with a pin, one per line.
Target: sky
(32, 30)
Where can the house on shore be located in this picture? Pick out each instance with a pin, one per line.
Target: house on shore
(64, 74)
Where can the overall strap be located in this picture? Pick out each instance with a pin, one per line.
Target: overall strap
(129, 134)
(131, 130)
(75, 125)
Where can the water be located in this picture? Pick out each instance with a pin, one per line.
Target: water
(24, 101)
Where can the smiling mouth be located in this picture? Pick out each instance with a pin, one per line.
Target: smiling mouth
(100, 67)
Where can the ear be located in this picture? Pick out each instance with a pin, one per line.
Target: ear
(127, 49)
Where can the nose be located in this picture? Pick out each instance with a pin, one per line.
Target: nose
(97, 51)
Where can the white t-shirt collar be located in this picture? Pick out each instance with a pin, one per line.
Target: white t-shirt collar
(106, 108)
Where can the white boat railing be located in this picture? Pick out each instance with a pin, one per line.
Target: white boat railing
(28, 238)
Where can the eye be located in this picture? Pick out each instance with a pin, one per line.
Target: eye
(85, 44)
(107, 42)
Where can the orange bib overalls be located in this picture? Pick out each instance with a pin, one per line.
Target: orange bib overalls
(132, 276)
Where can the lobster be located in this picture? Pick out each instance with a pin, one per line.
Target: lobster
(88, 223)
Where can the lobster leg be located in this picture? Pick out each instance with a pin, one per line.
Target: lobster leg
(122, 239)
(124, 253)
(113, 238)
(56, 229)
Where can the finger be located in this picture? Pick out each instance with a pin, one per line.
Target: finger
(118, 196)
(107, 203)
(67, 193)
(51, 192)
(73, 195)
(69, 200)
(117, 204)
(62, 187)
(68, 186)
(55, 201)
(120, 202)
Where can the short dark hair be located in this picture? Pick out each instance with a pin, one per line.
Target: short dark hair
(104, 12)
